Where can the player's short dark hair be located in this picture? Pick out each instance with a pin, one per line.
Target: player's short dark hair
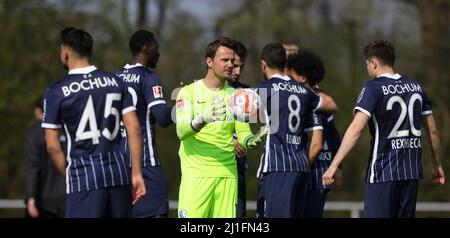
(383, 50)
(78, 40)
(139, 39)
(240, 50)
(306, 63)
(274, 55)
(212, 47)
(39, 103)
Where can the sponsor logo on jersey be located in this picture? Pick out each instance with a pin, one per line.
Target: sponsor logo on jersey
(180, 104)
(157, 92)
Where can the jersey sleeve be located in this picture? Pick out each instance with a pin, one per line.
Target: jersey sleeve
(184, 114)
(426, 104)
(315, 99)
(52, 110)
(367, 100)
(313, 122)
(153, 91)
(128, 104)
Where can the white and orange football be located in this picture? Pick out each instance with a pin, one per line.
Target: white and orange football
(244, 104)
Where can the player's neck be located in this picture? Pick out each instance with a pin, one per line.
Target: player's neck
(140, 60)
(270, 72)
(78, 63)
(385, 70)
(211, 81)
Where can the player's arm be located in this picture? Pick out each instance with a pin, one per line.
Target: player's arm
(132, 126)
(153, 94)
(433, 135)
(354, 131)
(54, 150)
(315, 146)
(243, 133)
(184, 114)
(314, 131)
(162, 114)
(187, 123)
(328, 104)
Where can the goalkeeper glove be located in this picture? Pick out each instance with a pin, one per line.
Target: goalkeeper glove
(217, 112)
(256, 140)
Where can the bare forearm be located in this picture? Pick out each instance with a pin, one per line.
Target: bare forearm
(433, 135)
(58, 159)
(55, 151)
(328, 103)
(313, 152)
(134, 141)
(351, 136)
(316, 145)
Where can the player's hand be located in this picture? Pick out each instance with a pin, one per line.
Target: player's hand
(338, 180)
(239, 151)
(438, 176)
(138, 187)
(32, 209)
(328, 176)
(217, 111)
(256, 140)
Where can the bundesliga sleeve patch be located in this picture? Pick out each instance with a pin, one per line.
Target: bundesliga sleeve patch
(157, 92)
(180, 104)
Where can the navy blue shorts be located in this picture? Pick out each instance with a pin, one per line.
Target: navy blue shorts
(282, 195)
(155, 202)
(114, 202)
(241, 202)
(315, 202)
(391, 200)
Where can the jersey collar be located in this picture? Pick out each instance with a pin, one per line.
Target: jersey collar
(285, 78)
(130, 66)
(84, 70)
(391, 76)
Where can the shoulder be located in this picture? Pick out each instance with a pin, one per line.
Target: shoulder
(265, 84)
(188, 89)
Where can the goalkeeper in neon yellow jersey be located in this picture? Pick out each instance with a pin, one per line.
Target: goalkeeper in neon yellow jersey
(209, 174)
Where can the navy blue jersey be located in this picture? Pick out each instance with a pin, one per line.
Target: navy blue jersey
(89, 103)
(145, 87)
(290, 107)
(395, 105)
(331, 143)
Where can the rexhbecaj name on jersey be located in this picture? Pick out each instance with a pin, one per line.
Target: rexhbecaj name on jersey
(406, 143)
(401, 88)
(89, 84)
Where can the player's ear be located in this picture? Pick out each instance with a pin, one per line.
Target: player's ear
(209, 62)
(263, 66)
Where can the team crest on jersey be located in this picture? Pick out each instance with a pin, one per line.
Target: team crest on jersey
(183, 214)
(180, 104)
(157, 92)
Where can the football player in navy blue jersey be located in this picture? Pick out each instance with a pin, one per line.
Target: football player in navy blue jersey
(145, 87)
(396, 108)
(284, 167)
(307, 68)
(89, 104)
(241, 153)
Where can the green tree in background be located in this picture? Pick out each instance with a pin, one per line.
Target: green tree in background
(337, 30)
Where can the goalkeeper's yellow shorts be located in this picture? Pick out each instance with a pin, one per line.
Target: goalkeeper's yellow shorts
(207, 197)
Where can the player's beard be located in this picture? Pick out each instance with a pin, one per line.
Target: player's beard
(65, 66)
